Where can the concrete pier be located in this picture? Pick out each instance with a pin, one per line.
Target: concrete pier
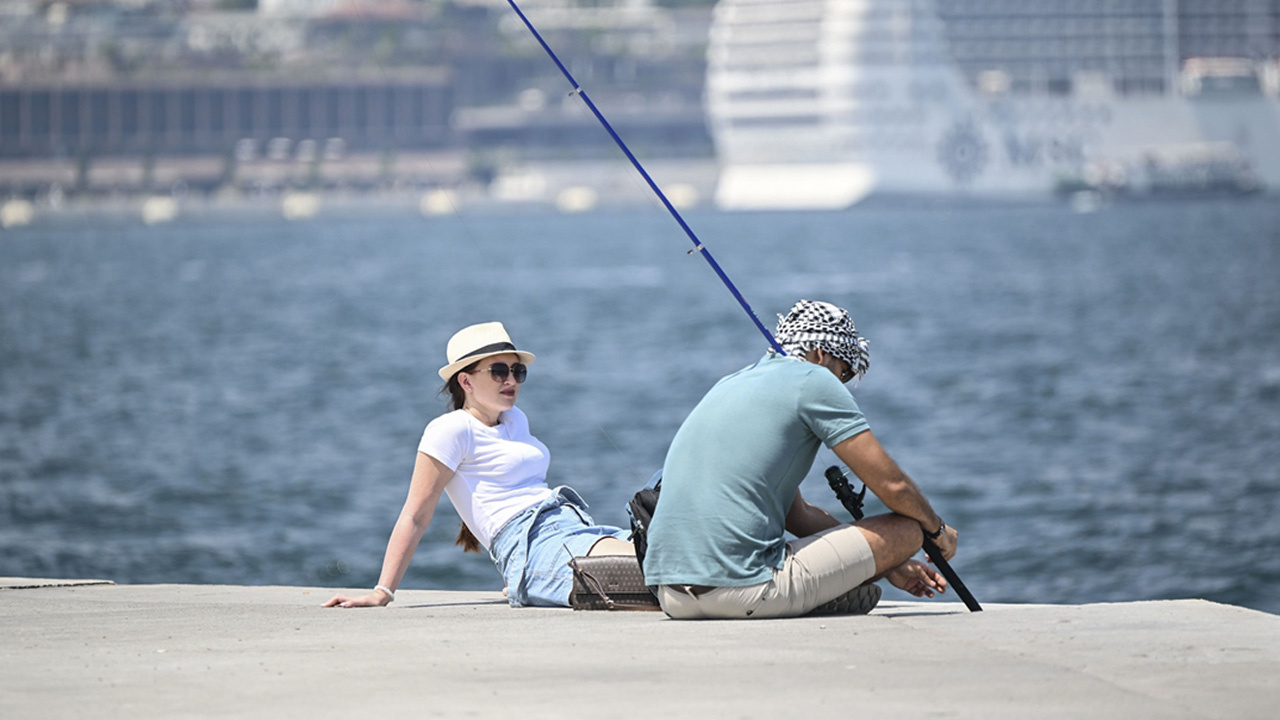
(90, 649)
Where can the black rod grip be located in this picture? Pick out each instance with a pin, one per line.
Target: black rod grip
(853, 503)
(953, 579)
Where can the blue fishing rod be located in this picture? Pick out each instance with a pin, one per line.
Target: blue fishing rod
(930, 548)
(697, 244)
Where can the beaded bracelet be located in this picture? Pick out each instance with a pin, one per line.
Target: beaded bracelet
(386, 590)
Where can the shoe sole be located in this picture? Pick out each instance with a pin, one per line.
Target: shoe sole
(858, 601)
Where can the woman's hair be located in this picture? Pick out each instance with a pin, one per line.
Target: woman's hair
(453, 388)
(457, 398)
(466, 539)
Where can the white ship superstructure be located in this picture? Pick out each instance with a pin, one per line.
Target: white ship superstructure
(820, 103)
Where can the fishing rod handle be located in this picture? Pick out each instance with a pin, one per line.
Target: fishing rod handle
(944, 567)
(853, 503)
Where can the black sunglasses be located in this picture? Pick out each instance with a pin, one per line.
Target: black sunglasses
(847, 374)
(501, 370)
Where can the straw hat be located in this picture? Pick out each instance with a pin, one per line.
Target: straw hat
(477, 342)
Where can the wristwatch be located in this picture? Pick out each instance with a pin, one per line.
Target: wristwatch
(935, 534)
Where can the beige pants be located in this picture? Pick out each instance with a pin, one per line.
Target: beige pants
(817, 569)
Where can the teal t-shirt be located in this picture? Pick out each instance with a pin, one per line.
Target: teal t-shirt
(734, 467)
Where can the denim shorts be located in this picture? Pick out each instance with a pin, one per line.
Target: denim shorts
(532, 550)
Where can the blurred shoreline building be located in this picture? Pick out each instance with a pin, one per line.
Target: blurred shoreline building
(211, 129)
(757, 103)
(103, 99)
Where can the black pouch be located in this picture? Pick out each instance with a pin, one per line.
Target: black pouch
(610, 582)
(641, 509)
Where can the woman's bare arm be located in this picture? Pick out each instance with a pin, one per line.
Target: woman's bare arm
(430, 476)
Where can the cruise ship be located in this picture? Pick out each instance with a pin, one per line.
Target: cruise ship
(823, 103)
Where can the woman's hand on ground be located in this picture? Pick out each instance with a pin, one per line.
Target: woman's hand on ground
(373, 599)
(917, 578)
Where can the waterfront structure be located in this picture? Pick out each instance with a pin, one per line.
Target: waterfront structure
(121, 100)
(821, 103)
(220, 123)
(199, 114)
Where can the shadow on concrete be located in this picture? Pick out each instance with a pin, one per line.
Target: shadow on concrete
(922, 613)
(456, 604)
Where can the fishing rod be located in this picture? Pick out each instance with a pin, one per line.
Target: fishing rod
(853, 503)
(697, 244)
(841, 486)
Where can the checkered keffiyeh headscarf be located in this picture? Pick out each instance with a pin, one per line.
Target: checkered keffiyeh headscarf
(811, 325)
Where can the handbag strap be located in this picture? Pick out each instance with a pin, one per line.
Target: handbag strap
(591, 581)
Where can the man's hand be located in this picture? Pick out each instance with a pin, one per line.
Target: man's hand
(917, 578)
(946, 542)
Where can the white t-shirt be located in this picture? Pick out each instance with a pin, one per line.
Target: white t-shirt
(497, 471)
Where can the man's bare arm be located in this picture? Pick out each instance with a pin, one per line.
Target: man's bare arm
(804, 519)
(872, 464)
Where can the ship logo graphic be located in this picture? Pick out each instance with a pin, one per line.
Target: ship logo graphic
(962, 152)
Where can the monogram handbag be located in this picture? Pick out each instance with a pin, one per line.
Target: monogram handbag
(610, 582)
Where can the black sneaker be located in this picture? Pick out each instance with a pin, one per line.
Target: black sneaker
(858, 601)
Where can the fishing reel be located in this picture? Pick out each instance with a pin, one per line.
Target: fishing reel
(852, 501)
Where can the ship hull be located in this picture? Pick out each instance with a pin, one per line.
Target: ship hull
(834, 129)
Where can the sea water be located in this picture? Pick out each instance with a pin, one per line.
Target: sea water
(1093, 400)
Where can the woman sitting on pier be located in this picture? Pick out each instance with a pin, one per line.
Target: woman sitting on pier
(494, 470)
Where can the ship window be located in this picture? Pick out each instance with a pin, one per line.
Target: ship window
(1247, 84)
(157, 115)
(332, 115)
(775, 94)
(245, 101)
(217, 111)
(129, 114)
(99, 114)
(1139, 86)
(69, 114)
(778, 121)
(10, 104)
(39, 104)
(187, 112)
(275, 111)
(301, 100)
(772, 65)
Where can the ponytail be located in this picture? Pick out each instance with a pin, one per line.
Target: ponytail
(466, 539)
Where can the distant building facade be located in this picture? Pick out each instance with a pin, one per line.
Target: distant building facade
(365, 113)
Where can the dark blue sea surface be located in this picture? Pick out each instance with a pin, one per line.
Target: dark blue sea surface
(1093, 400)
